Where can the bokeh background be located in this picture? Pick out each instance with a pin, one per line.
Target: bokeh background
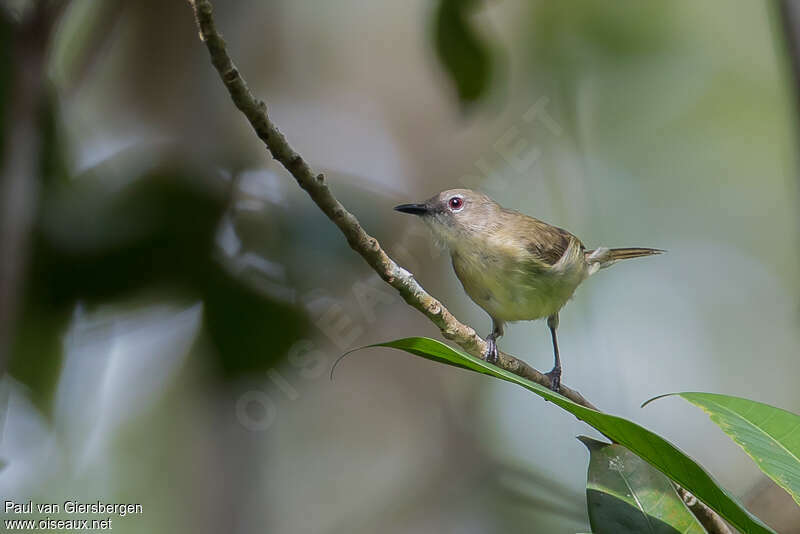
(172, 302)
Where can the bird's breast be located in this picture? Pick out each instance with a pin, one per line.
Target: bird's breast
(512, 288)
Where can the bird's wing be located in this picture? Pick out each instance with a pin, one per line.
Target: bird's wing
(546, 243)
(549, 246)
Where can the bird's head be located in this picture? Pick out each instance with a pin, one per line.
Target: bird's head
(455, 215)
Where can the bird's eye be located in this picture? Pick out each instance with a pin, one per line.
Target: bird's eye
(456, 203)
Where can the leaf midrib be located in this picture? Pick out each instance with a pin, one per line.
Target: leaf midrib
(753, 424)
(638, 502)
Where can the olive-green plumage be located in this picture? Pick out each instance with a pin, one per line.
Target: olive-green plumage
(513, 266)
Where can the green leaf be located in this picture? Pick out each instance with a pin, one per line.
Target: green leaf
(461, 50)
(625, 495)
(769, 435)
(647, 445)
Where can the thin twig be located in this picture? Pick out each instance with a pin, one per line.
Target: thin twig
(358, 239)
(707, 517)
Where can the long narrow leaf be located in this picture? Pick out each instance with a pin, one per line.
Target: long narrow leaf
(461, 49)
(647, 445)
(769, 435)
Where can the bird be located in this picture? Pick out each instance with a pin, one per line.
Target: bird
(515, 267)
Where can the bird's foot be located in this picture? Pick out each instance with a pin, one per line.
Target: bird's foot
(491, 350)
(555, 379)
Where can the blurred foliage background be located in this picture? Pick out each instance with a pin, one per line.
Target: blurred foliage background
(171, 302)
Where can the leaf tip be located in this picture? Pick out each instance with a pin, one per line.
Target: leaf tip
(648, 401)
(340, 358)
(591, 443)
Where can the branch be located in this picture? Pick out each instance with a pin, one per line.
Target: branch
(364, 244)
(707, 517)
(358, 239)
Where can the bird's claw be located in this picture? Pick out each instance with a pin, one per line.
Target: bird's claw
(555, 379)
(491, 350)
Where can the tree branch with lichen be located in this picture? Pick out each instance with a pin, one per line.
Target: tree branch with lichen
(360, 241)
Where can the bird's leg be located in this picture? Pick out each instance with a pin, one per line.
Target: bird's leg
(491, 341)
(555, 374)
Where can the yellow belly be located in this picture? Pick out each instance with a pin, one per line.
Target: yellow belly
(513, 290)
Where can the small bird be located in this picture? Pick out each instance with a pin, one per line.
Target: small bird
(515, 267)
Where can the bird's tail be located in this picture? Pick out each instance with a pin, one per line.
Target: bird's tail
(602, 257)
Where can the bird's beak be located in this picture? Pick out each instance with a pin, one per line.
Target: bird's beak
(414, 209)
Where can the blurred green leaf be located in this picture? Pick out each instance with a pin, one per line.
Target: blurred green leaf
(53, 158)
(580, 32)
(96, 243)
(627, 496)
(155, 236)
(36, 347)
(250, 331)
(81, 39)
(767, 434)
(462, 51)
(649, 446)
